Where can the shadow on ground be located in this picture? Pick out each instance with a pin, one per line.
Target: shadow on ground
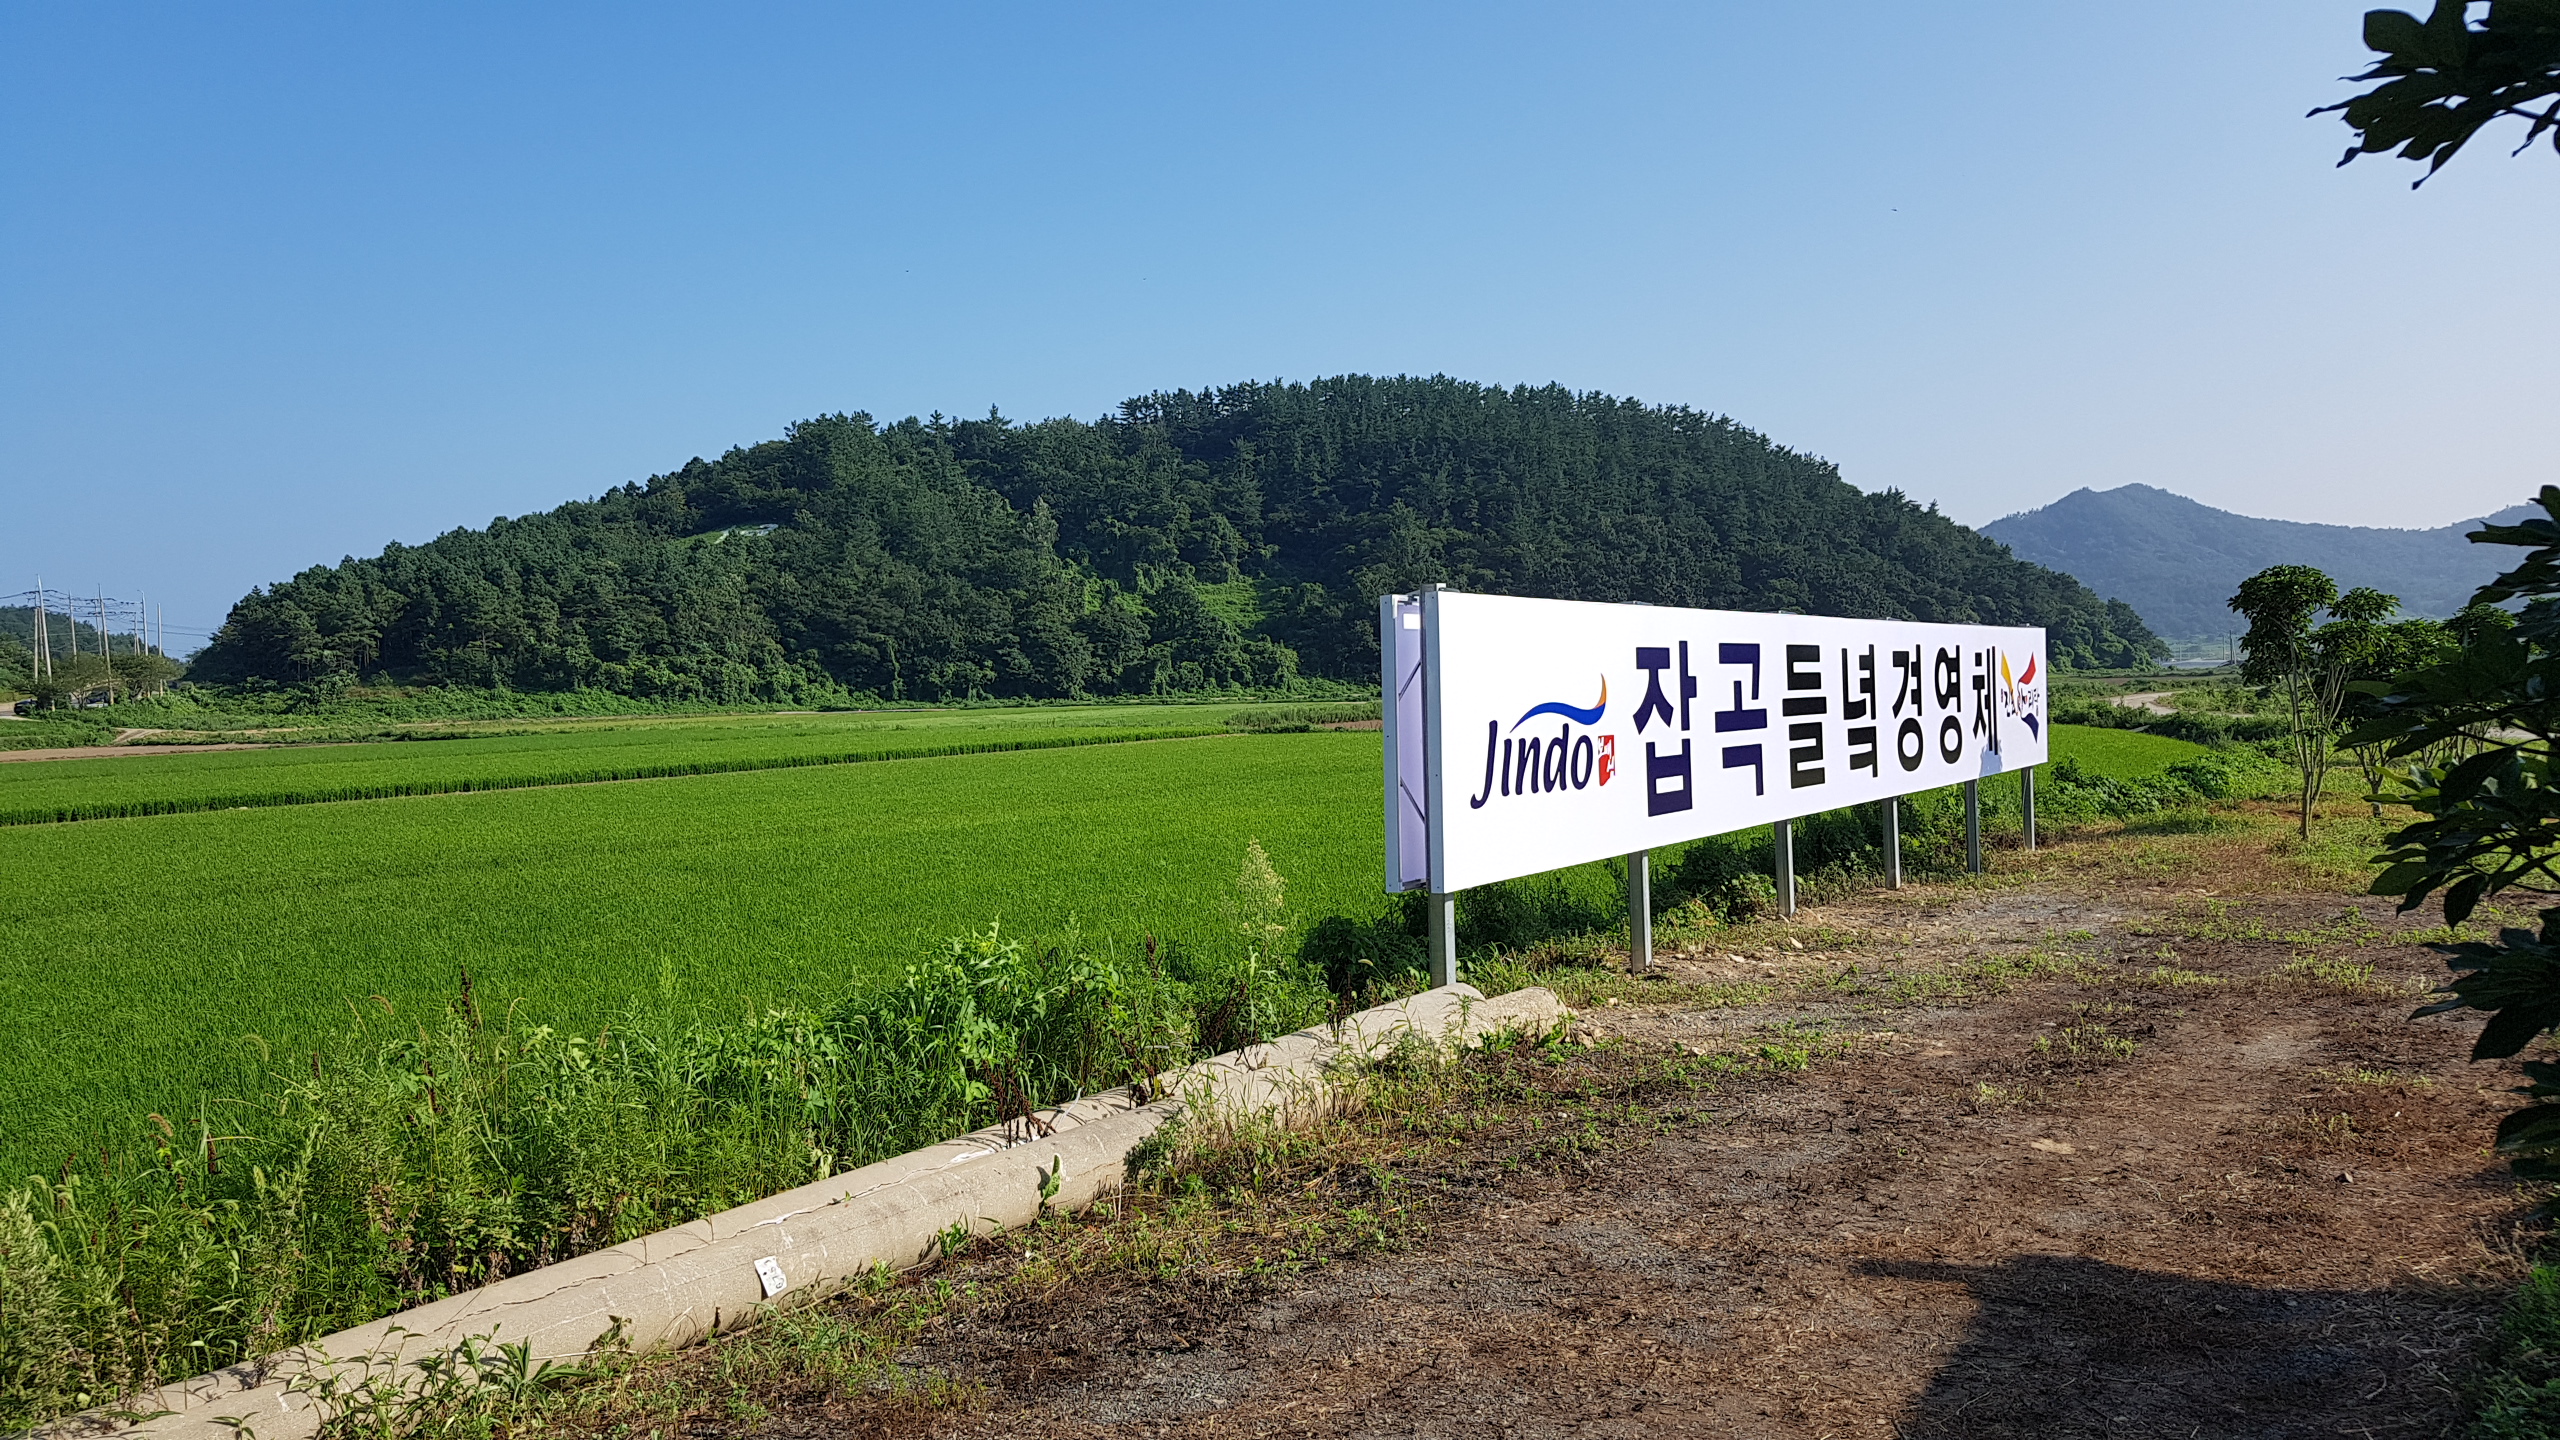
(2065, 1346)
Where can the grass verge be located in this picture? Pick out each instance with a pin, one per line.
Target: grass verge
(1221, 1220)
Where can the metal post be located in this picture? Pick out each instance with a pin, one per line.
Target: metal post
(1973, 826)
(1639, 912)
(1444, 905)
(1444, 939)
(2027, 794)
(1893, 842)
(1784, 832)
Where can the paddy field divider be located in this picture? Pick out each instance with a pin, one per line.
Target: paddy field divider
(685, 1284)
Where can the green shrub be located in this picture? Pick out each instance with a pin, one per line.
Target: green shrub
(1724, 876)
(1378, 955)
(2066, 792)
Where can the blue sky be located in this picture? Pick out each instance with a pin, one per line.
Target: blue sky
(280, 284)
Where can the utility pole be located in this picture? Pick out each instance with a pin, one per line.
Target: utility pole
(44, 645)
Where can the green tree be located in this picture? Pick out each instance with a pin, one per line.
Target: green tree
(2368, 648)
(145, 673)
(2286, 658)
(2444, 78)
(2490, 821)
(2477, 619)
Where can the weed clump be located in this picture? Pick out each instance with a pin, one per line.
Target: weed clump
(2517, 1395)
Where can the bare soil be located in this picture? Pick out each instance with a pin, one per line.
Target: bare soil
(120, 750)
(2097, 1153)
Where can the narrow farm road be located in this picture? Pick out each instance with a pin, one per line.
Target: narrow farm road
(2201, 1176)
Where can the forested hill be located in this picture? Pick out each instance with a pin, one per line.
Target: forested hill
(2178, 562)
(1234, 537)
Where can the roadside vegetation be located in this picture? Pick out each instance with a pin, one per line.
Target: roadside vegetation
(1252, 1207)
(480, 1118)
(406, 1161)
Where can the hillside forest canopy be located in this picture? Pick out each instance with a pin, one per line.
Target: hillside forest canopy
(1229, 539)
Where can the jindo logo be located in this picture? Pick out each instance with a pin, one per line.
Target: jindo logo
(2019, 698)
(1538, 764)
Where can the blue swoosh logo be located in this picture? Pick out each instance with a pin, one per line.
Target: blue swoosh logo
(1573, 713)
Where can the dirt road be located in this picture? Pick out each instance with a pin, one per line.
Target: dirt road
(2101, 1153)
(2096, 1205)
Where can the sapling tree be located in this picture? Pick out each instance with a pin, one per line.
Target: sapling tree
(2308, 666)
(2355, 654)
(2400, 646)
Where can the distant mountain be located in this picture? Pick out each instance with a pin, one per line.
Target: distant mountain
(2177, 562)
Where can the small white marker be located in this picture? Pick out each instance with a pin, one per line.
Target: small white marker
(769, 1270)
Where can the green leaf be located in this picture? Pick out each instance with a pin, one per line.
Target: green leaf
(2400, 879)
(2392, 31)
(2463, 897)
(2536, 1127)
(2507, 1032)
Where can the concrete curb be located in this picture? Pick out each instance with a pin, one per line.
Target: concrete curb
(678, 1286)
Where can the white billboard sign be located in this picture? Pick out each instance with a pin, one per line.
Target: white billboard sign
(1528, 735)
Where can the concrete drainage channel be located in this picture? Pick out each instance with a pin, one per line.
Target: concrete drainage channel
(678, 1286)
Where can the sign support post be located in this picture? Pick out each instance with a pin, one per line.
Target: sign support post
(1444, 904)
(1443, 938)
(1639, 912)
(1784, 833)
(1973, 826)
(1893, 842)
(2027, 793)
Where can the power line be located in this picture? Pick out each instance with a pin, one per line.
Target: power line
(102, 613)
(118, 625)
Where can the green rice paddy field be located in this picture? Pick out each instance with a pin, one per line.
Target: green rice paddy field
(2120, 754)
(155, 962)
(558, 753)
